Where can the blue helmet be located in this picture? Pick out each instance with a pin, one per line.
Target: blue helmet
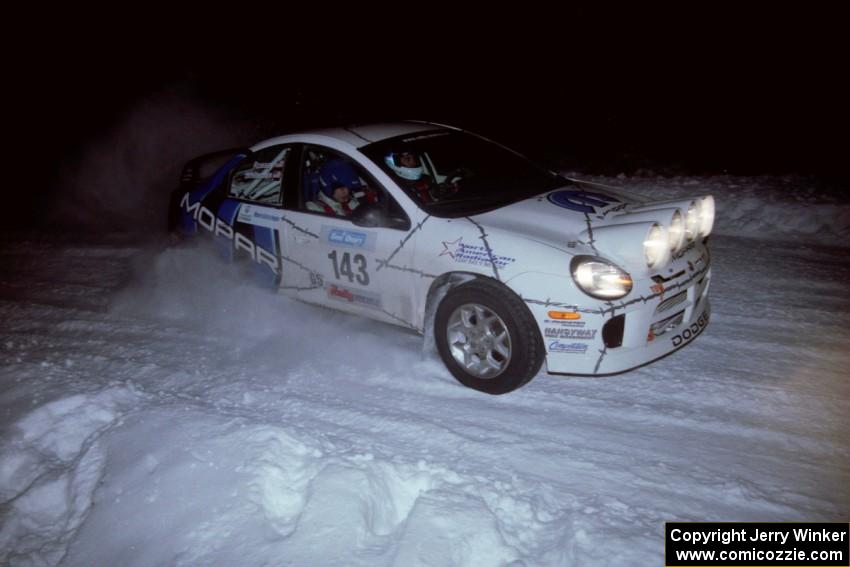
(338, 173)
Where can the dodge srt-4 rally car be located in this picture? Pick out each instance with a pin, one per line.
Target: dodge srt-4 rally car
(506, 265)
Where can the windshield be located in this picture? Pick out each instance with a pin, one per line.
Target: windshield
(453, 174)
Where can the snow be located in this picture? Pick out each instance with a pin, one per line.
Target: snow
(51, 466)
(156, 409)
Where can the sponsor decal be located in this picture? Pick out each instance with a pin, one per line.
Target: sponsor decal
(260, 175)
(207, 219)
(425, 137)
(245, 214)
(572, 348)
(581, 201)
(472, 254)
(346, 238)
(259, 216)
(340, 293)
(262, 170)
(568, 333)
(266, 216)
(692, 331)
(565, 323)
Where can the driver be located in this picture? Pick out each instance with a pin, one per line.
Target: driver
(342, 190)
(408, 166)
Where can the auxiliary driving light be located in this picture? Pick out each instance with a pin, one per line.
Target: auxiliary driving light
(706, 216)
(692, 220)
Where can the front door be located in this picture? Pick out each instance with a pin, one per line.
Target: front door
(336, 262)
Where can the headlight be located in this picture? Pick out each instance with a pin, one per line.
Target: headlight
(600, 278)
(656, 246)
(676, 231)
(692, 220)
(706, 216)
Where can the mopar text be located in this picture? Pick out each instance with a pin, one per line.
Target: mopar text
(207, 219)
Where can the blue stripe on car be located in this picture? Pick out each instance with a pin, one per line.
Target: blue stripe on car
(227, 211)
(265, 238)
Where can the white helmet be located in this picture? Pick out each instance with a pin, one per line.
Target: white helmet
(396, 160)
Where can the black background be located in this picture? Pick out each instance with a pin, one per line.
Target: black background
(697, 91)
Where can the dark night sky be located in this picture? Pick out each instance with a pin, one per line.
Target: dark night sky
(709, 91)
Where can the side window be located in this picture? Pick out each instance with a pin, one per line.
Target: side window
(335, 185)
(259, 178)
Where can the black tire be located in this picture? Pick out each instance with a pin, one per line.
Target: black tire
(526, 345)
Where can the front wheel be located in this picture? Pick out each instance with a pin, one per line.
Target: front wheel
(487, 337)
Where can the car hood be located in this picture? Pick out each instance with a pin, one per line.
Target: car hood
(560, 216)
(586, 218)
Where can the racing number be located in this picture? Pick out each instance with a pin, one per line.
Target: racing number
(342, 267)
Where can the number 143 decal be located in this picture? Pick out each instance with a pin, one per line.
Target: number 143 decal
(342, 267)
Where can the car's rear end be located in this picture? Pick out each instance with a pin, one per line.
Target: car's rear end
(194, 174)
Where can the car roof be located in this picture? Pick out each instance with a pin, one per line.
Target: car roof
(360, 135)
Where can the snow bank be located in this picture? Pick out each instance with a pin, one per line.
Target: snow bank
(49, 469)
(240, 472)
(184, 487)
(778, 207)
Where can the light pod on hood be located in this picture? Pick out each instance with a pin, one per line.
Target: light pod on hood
(670, 218)
(638, 246)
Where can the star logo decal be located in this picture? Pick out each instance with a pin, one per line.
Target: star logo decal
(452, 247)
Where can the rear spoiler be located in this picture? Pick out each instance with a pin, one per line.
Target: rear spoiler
(203, 167)
(196, 172)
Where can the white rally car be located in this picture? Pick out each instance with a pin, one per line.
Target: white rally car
(504, 263)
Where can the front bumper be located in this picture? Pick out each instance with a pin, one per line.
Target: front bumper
(660, 316)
